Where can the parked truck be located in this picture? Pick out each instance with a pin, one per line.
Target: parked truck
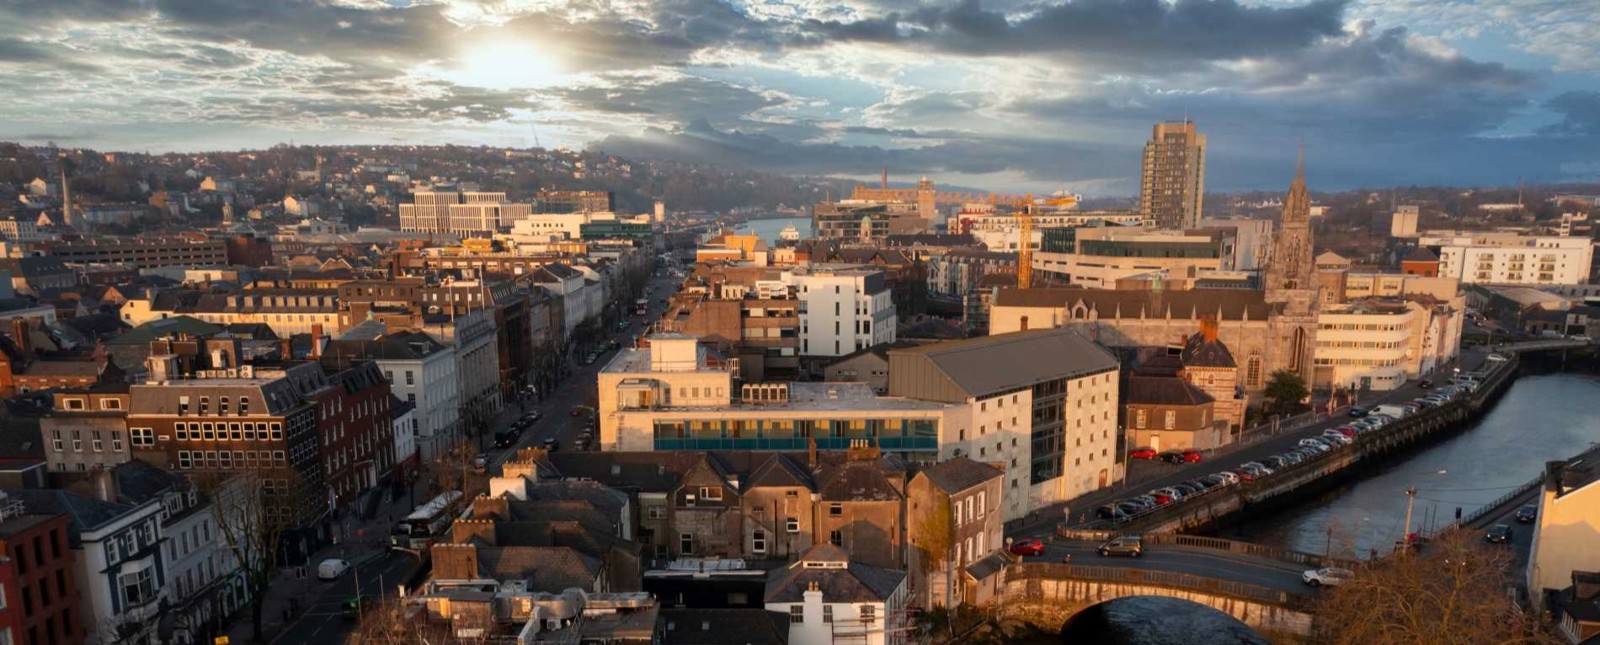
(1390, 409)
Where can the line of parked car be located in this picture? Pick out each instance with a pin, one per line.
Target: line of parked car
(1362, 421)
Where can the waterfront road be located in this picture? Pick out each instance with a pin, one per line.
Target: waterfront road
(1145, 476)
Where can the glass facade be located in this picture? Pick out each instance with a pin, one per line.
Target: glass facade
(893, 435)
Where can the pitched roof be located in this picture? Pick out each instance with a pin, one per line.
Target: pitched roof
(959, 473)
(983, 366)
(780, 471)
(1228, 304)
(839, 579)
(546, 568)
(989, 565)
(1420, 254)
(143, 334)
(858, 481)
(87, 513)
(1199, 352)
(138, 482)
(1164, 387)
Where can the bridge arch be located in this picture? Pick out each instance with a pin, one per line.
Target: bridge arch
(1048, 595)
(1158, 620)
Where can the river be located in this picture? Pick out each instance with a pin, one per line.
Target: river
(1541, 418)
(769, 229)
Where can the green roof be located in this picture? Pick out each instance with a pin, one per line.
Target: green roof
(143, 334)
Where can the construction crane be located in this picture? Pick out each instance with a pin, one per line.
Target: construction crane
(1025, 244)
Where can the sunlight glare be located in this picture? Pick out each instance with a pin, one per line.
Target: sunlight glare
(503, 66)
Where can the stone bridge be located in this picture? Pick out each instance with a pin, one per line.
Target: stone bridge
(1047, 595)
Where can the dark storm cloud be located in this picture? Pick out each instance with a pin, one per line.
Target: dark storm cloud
(357, 36)
(1138, 32)
(47, 55)
(1580, 114)
(675, 100)
(74, 10)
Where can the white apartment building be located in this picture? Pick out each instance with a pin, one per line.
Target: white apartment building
(1565, 529)
(842, 309)
(476, 348)
(1511, 258)
(1039, 405)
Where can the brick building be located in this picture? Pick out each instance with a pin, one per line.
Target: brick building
(1164, 411)
(42, 602)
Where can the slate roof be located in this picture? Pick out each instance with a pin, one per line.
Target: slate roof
(63, 368)
(401, 345)
(988, 565)
(551, 569)
(853, 582)
(143, 334)
(980, 367)
(780, 471)
(1420, 254)
(856, 481)
(1229, 304)
(724, 627)
(96, 325)
(959, 474)
(138, 482)
(1158, 383)
(87, 513)
(1198, 352)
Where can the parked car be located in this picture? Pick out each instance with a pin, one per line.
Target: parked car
(1498, 534)
(1228, 478)
(1161, 497)
(1131, 508)
(1192, 456)
(1216, 480)
(1496, 358)
(1425, 384)
(1275, 462)
(1356, 412)
(1128, 545)
(1027, 546)
(332, 568)
(1326, 576)
(1527, 514)
(551, 445)
(1109, 512)
(1142, 453)
(480, 463)
(1171, 456)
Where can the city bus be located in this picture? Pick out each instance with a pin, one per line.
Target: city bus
(641, 306)
(419, 529)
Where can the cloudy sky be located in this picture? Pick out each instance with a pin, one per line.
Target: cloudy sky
(1007, 94)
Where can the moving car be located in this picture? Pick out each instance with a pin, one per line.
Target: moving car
(480, 463)
(1326, 576)
(1192, 456)
(332, 568)
(505, 438)
(551, 445)
(1527, 514)
(1356, 412)
(1027, 546)
(1498, 534)
(1128, 545)
(1142, 453)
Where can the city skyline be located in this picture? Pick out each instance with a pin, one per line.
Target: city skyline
(1002, 94)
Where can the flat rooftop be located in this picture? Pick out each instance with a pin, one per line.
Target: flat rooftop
(823, 397)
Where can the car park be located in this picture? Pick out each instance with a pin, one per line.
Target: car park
(1498, 534)
(1027, 546)
(1527, 514)
(1326, 576)
(1128, 545)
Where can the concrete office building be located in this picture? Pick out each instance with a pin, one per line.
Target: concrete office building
(1173, 180)
(1039, 405)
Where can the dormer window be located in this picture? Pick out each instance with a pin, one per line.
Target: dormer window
(711, 493)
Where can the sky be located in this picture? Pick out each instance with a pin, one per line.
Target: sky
(1035, 95)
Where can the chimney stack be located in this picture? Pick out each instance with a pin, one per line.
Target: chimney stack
(1208, 328)
(316, 340)
(19, 334)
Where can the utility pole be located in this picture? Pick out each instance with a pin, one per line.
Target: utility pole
(1405, 532)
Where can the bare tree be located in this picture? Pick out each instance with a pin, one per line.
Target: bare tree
(1455, 591)
(252, 514)
(933, 535)
(403, 621)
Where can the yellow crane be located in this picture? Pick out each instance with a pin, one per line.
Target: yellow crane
(1025, 243)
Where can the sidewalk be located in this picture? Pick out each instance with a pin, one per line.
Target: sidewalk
(367, 539)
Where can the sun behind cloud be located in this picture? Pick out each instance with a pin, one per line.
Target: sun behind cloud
(504, 66)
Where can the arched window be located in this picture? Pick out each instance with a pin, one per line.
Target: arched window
(1252, 375)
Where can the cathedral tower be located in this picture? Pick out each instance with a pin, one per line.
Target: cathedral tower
(1291, 279)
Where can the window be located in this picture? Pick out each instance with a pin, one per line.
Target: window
(869, 614)
(982, 497)
(244, 405)
(205, 402)
(657, 513)
(222, 405)
(797, 614)
(96, 443)
(142, 437)
(711, 493)
(77, 441)
(836, 510)
(758, 541)
(686, 543)
(116, 442)
(55, 441)
(411, 378)
(1140, 418)
(183, 459)
(138, 588)
(74, 404)
(827, 613)
(1171, 421)
(792, 525)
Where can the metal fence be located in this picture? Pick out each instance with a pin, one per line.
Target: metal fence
(1168, 579)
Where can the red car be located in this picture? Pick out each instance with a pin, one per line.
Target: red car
(1142, 453)
(1161, 498)
(1027, 546)
(1346, 431)
(1192, 456)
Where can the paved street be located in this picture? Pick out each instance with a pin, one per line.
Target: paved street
(1145, 476)
(1198, 561)
(323, 619)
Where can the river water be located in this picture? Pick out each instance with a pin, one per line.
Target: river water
(1541, 418)
(769, 229)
